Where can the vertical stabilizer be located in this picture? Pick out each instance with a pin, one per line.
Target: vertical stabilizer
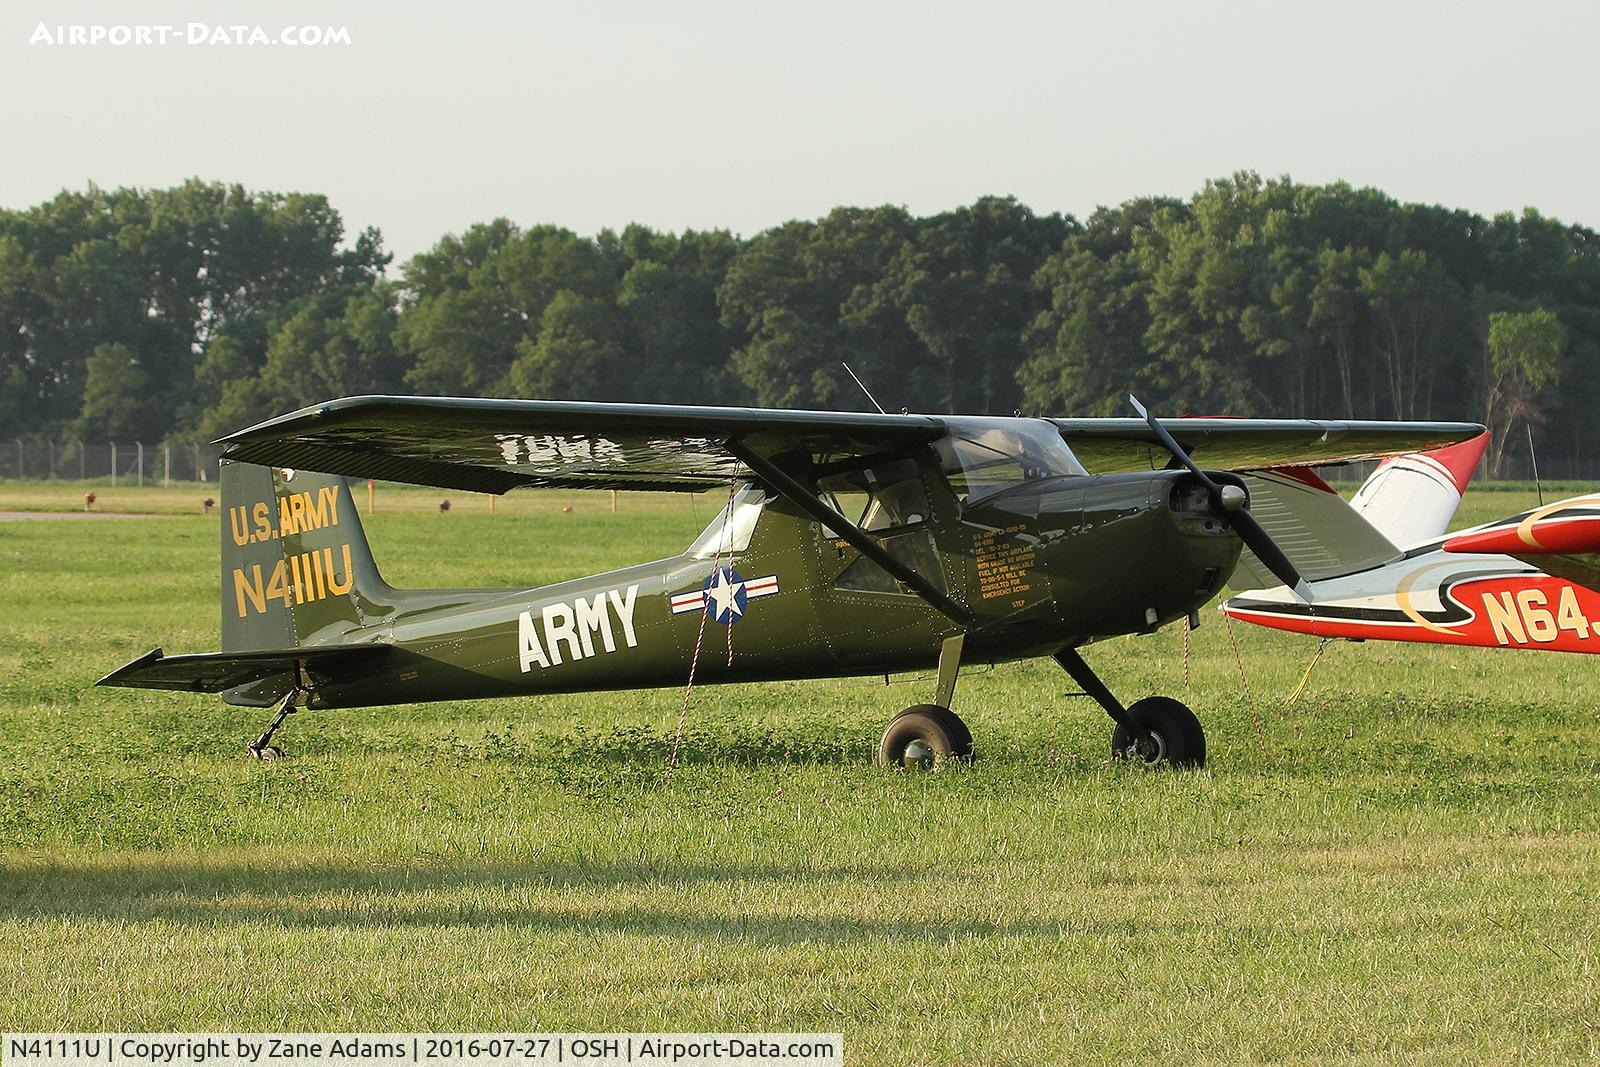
(296, 568)
(1411, 499)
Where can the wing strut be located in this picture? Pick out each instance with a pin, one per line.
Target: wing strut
(858, 538)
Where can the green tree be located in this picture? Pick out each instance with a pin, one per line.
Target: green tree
(1413, 301)
(579, 353)
(1086, 348)
(803, 294)
(964, 287)
(332, 345)
(118, 403)
(1525, 350)
(1338, 319)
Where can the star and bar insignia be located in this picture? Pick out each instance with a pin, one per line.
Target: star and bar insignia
(727, 593)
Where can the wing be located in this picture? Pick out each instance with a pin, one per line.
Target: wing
(493, 446)
(1107, 446)
(1323, 536)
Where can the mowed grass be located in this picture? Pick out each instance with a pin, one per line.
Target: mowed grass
(1402, 867)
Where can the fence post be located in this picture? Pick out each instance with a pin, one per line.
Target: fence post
(113, 464)
(80, 461)
(139, 446)
(166, 466)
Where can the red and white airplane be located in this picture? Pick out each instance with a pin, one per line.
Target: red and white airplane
(1382, 567)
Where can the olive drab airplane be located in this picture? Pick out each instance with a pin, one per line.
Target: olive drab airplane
(850, 544)
(1382, 566)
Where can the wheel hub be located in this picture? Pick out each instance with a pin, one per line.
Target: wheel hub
(919, 755)
(1152, 748)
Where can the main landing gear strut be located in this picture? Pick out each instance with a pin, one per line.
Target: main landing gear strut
(1156, 731)
(924, 735)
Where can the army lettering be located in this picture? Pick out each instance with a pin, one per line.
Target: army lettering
(572, 628)
(297, 513)
(1003, 568)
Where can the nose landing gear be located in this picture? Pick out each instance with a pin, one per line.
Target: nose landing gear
(1156, 731)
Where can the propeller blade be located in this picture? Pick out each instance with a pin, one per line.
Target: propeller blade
(1267, 551)
(1177, 450)
(1251, 532)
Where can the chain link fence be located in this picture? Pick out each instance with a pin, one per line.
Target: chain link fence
(112, 462)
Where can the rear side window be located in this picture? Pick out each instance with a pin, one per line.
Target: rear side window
(884, 496)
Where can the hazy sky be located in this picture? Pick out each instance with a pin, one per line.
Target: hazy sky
(746, 114)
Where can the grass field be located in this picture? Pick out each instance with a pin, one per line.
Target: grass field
(1403, 867)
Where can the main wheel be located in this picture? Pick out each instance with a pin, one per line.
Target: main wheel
(921, 735)
(1176, 739)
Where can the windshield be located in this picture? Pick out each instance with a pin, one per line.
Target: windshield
(730, 531)
(982, 456)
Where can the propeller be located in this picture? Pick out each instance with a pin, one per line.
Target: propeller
(1228, 502)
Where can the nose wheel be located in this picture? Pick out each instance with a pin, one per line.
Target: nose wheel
(1172, 735)
(922, 736)
(1156, 731)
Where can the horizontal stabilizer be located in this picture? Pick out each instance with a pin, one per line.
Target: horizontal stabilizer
(1562, 540)
(216, 672)
(1316, 528)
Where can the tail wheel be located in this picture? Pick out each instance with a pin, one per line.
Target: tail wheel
(923, 735)
(1175, 736)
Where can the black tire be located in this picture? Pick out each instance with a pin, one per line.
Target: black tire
(923, 735)
(1179, 740)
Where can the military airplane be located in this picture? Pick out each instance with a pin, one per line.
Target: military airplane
(1382, 567)
(850, 544)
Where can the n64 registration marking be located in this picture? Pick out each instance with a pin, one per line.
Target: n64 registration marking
(1526, 616)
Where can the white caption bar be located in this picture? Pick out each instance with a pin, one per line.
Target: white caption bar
(418, 1050)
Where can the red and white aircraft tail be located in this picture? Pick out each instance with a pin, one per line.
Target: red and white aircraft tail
(1530, 580)
(1412, 498)
(1406, 501)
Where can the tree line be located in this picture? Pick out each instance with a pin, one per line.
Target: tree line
(184, 313)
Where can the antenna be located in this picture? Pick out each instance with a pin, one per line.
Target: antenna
(864, 388)
(1531, 455)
